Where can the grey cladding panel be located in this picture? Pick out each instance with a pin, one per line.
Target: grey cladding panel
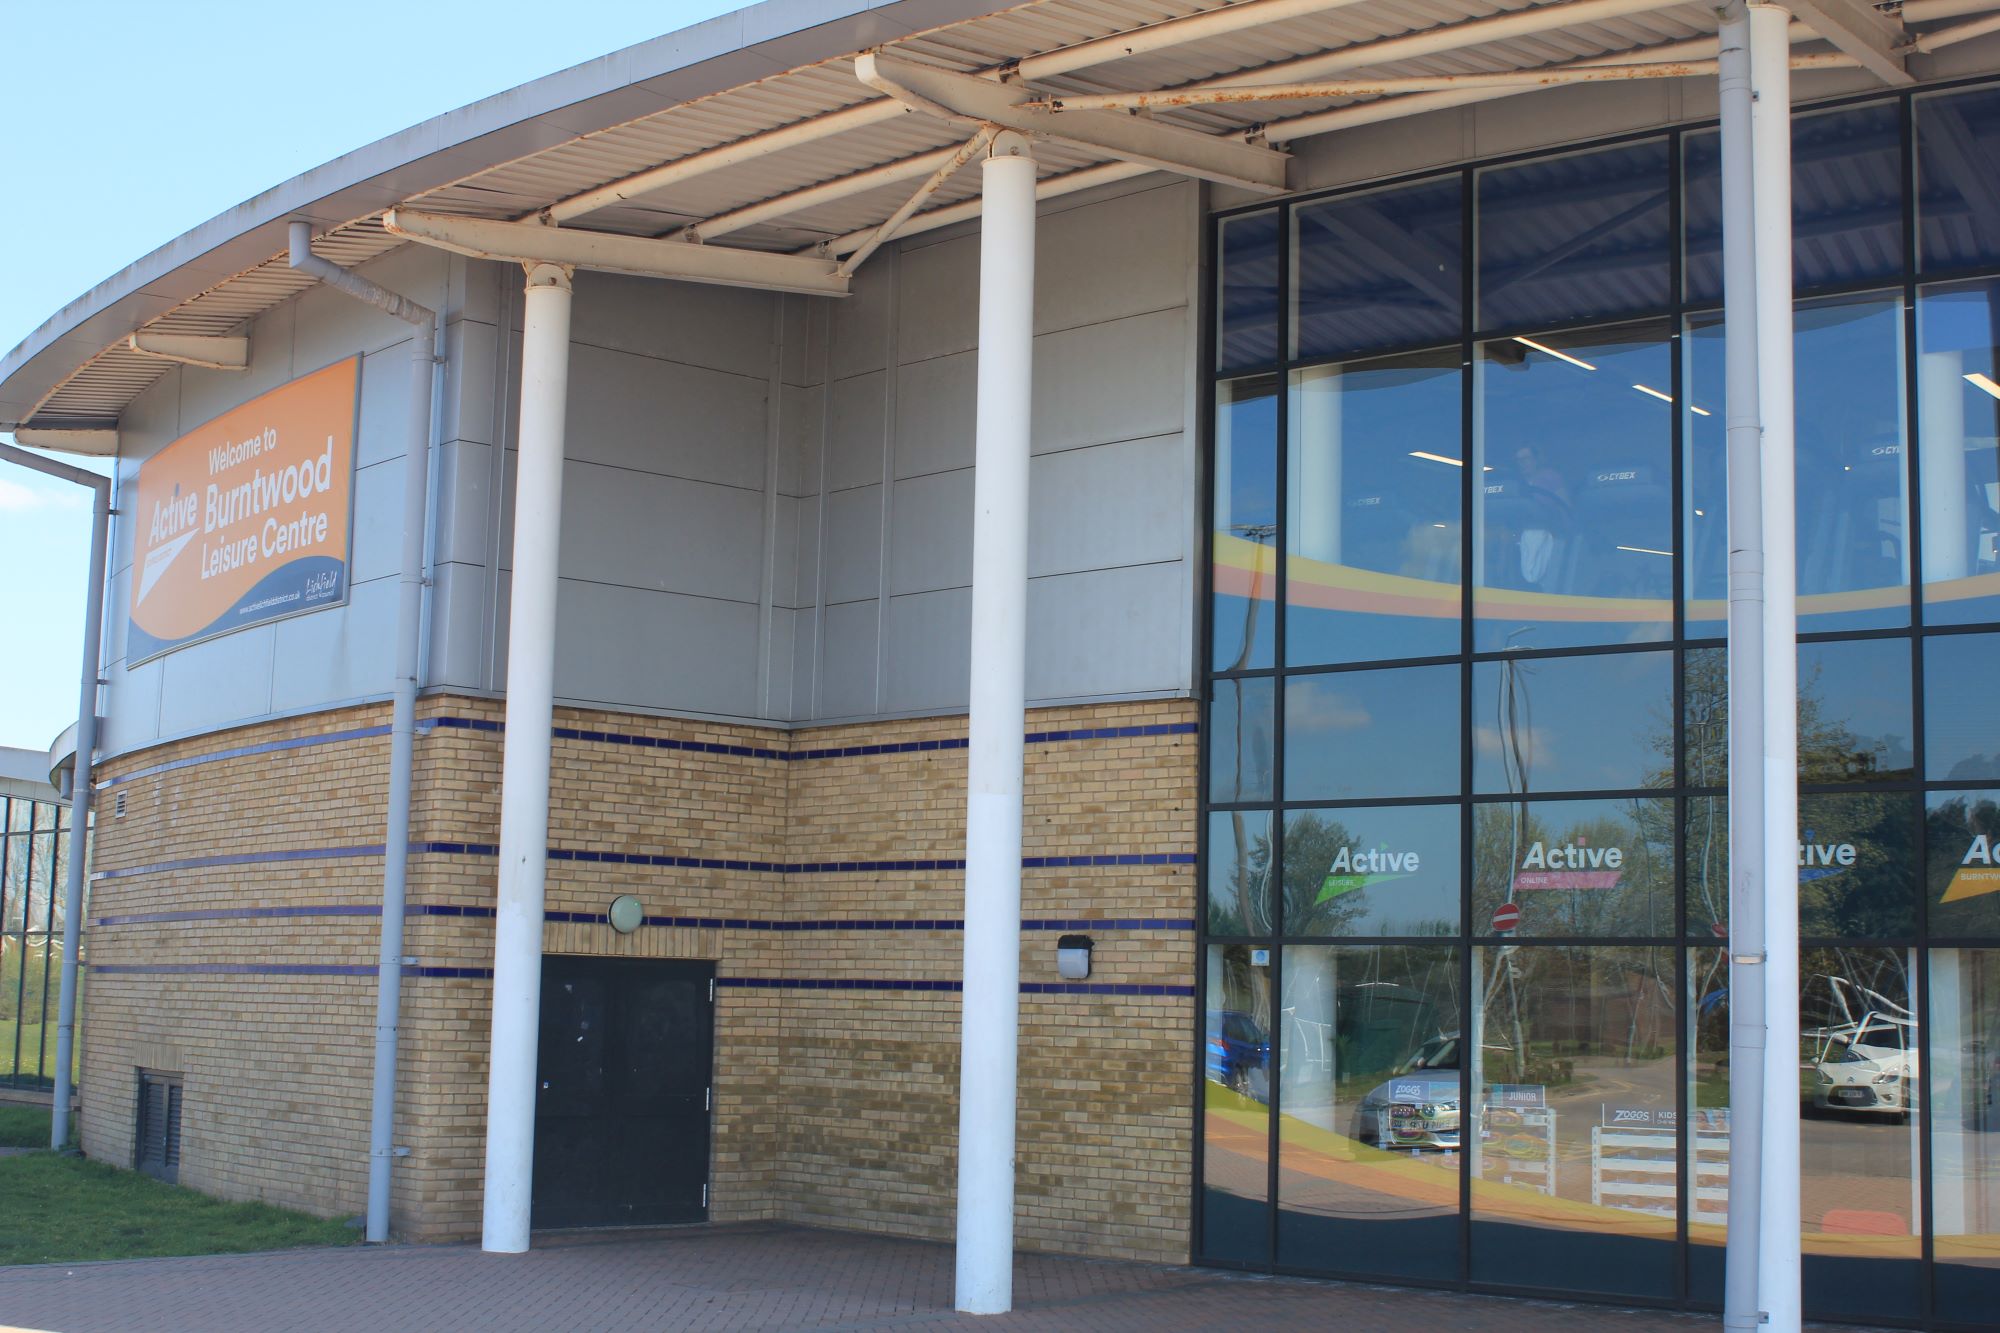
(928, 651)
(721, 328)
(847, 672)
(323, 657)
(658, 416)
(857, 418)
(662, 533)
(935, 401)
(1117, 380)
(1107, 506)
(930, 537)
(1120, 257)
(853, 548)
(634, 648)
(1109, 631)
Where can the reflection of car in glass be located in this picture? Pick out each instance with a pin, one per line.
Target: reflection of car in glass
(1418, 1106)
(1239, 1054)
(1868, 1063)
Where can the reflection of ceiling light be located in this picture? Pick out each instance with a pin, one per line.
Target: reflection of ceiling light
(1560, 356)
(1699, 514)
(1437, 525)
(1663, 397)
(1645, 550)
(1699, 411)
(1979, 381)
(1436, 458)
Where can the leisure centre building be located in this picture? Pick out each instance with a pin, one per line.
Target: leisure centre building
(556, 631)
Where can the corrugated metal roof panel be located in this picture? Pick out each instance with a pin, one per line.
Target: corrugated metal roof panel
(525, 183)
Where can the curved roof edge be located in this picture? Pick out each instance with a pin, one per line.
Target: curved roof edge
(709, 57)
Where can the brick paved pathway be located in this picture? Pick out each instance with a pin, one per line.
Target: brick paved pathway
(748, 1277)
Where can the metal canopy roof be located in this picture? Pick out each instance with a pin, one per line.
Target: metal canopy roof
(845, 158)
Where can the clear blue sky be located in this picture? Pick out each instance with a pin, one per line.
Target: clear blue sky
(127, 123)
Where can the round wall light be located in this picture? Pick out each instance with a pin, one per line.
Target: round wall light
(627, 914)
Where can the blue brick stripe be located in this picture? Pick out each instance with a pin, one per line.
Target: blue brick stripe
(242, 751)
(634, 740)
(728, 983)
(572, 854)
(476, 912)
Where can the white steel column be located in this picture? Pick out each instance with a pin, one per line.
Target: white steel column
(524, 784)
(1741, 1312)
(990, 1010)
(1771, 146)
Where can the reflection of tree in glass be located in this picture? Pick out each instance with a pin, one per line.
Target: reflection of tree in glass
(1641, 904)
(1239, 904)
(1871, 898)
(1311, 843)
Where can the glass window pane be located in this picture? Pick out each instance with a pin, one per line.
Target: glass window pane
(1705, 712)
(1573, 868)
(1963, 847)
(45, 814)
(1857, 865)
(1382, 870)
(1961, 707)
(41, 874)
(1964, 1081)
(1854, 711)
(1244, 549)
(1239, 872)
(1576, 237)
(1847, 202)
(1573, 506)
(1247, 303)
(1857, 1134)
(1236, 1114)
(1240, 751)
(1373, 531)
(1369, 735)
(1853, 481)
(1573, 1086)
(1707, 1141)
(1553, 724)
(1958, 450)
(1368, 1134)
(1958, 160)
(1853, 562)
(1378, 270)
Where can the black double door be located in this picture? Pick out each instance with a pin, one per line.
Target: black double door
(622, 1099)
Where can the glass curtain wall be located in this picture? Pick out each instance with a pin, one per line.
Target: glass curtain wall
(34, 862)
(1466, 847)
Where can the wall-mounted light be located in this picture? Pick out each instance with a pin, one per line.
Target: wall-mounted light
(1073, 957)
(627, 914)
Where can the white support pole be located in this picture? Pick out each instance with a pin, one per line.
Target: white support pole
(1741, 1312)
(990, 1010)
(1771, 146)
(82, 775)
(524, 789)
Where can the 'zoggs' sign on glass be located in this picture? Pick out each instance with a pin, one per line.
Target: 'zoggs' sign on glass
(245, 519)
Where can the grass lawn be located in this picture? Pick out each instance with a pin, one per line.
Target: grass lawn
(61, 1209)
(38, 1048)
(27, 1127)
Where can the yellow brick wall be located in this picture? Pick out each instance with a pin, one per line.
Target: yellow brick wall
(832, 1106)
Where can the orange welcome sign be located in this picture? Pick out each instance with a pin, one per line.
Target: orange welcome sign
(245, 519)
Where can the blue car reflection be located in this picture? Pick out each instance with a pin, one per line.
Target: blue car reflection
(1239, 1054)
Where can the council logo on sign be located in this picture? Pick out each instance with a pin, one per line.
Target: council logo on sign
(245, 519)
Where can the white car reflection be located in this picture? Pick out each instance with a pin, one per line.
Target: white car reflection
(1418, 1106)
(1869, 1063)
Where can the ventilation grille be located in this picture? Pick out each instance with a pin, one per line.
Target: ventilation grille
(158, 1150)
